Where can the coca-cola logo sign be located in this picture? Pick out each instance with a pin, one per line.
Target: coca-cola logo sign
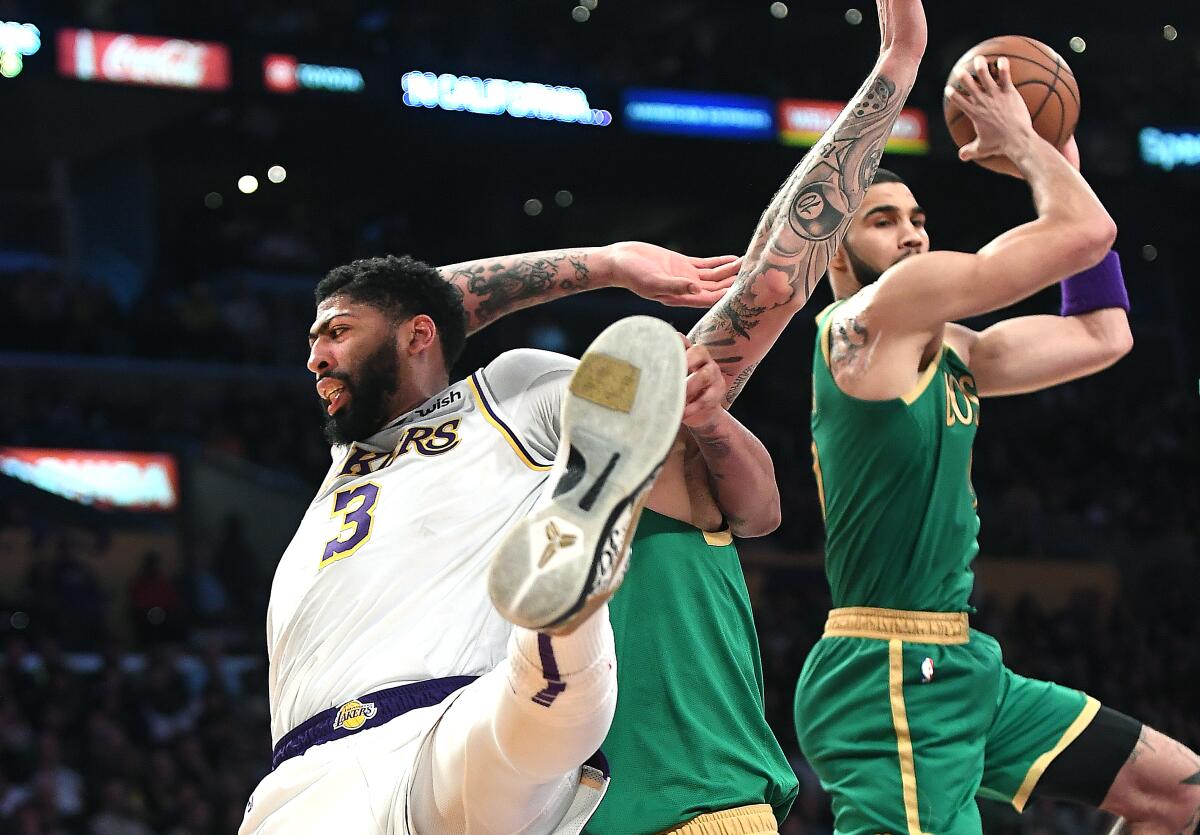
(140, 59)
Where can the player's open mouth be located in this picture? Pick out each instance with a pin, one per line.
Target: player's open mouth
(333, 393)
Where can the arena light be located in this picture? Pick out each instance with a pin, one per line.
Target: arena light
(285, 74)
(17, 42)
(698, 114)
(277, 173)
(803, 121)
(1170, 149)
(122, 58)
(124, 480)
(247, 184)
(497, 96)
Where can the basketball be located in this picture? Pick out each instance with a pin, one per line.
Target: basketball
(1044, 81)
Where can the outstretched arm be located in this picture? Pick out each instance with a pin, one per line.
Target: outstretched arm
(494, 287)
(807, 219)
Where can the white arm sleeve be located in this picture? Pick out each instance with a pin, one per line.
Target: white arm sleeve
(526, 388)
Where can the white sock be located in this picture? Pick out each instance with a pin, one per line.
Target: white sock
(570, 673)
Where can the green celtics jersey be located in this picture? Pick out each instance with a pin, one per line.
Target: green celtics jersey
(894, 477)
(689, 736)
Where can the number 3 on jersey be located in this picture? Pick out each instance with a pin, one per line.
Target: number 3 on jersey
(355, 505)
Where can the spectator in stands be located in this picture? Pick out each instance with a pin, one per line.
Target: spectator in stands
(155, 604)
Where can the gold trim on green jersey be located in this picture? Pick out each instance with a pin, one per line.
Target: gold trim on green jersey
(1090, 708)
(891, 624)
(908, 765)
(925, 379)
(721, 537)
(820, 478)
(757, 819)
(825, 344)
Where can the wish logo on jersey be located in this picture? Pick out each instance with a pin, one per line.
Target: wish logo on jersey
(354, 714)
(440, 403)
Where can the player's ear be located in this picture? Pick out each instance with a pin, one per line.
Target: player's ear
(839, 261)
(418, 334)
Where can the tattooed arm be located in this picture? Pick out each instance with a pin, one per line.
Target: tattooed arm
(739, 472)
(807, 219)
(495, 287)
(741, 475)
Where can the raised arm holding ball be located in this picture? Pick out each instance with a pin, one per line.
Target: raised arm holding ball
(906, 713)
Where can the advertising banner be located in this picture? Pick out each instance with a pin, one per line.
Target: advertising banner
(143, 60)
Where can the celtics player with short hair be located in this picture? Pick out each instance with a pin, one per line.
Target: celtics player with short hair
(905, 713)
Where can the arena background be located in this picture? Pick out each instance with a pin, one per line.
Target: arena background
(150, 306)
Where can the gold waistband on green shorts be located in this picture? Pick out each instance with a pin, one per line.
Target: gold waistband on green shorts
(744, 820)
(890, 624)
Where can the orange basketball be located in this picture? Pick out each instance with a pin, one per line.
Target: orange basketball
(1044, 81)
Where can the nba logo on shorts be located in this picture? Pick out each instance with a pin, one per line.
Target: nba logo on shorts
(927, 671)
(354, 714)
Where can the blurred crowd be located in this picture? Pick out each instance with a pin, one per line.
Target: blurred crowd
(115, 744)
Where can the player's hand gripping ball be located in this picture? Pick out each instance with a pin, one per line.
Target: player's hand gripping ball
(1044, 81)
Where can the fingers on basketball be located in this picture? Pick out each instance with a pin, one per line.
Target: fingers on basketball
(1039, 75)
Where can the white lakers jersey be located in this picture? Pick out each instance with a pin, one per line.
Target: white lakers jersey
(384, 583)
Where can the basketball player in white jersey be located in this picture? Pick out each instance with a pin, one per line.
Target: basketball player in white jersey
(401, 699)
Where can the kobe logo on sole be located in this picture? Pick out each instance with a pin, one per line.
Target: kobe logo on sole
(556, 540)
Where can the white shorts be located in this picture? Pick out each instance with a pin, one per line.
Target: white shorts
(362, 783)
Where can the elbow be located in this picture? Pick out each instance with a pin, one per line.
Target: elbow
(1094, 239)
(1110, 335)
(1119, 342)
(1106, 235)
(764, 521)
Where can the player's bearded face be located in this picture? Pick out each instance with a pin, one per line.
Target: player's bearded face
(864, 272)
(370, 387)
(867, 269)
(889, 227)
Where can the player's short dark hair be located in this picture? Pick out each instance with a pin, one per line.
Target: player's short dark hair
(402, 287)
(883, 175)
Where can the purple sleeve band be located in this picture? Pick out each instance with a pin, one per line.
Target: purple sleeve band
(1095, 289)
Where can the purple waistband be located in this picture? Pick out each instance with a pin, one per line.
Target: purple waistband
(369, 711)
